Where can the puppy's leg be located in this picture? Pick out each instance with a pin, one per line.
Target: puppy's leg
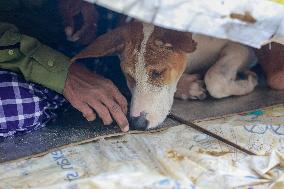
(190, 87)
(222, 78)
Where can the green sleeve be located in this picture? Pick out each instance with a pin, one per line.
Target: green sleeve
(37, 62)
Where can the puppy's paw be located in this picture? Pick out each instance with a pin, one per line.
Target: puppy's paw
(252, 78)
(190, 87)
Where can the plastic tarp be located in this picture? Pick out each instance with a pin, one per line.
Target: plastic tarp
(178, 157)
(251, 22)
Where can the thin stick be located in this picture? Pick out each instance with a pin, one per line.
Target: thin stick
(196, 127)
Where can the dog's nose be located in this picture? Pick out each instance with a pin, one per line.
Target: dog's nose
(140, 122)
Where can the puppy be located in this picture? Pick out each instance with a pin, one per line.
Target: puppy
(154, 59)
(226, 66)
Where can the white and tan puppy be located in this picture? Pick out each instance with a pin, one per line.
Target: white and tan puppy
(154, 60)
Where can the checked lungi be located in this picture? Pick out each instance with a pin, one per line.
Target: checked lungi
(25, 106)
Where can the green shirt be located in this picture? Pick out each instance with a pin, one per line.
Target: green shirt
(37, 62)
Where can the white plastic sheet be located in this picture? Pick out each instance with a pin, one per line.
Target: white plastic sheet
(251, 22)
(179, 157)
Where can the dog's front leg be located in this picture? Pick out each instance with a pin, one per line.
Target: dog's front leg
(190, 86)
(222, 78)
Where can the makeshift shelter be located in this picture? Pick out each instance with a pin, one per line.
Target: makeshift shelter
(237, 144)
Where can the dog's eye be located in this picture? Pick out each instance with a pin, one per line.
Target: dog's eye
(156, 74)
(169, 47)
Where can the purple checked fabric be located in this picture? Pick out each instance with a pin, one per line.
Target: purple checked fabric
(25, 106)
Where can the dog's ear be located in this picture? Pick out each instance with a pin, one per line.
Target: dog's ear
(185, 42)
(177, 39)
(111, 43)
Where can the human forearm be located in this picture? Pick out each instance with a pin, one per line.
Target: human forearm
(37, 62)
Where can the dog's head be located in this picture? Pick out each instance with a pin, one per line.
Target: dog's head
(152, 60)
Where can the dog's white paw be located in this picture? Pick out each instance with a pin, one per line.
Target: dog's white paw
(252, 78)
(190, 87)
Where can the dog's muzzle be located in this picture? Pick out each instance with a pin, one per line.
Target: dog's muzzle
(140, 122)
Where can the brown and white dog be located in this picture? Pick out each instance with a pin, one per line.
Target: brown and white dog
(154, 60)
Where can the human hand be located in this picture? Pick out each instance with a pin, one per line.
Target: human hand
(87, 92)
(72, 8)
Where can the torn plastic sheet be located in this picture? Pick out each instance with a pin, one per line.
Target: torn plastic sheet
(178, 157)
(251, 22)
(251, 172)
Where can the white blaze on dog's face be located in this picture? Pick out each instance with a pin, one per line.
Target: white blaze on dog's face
(152, 60)
(152, 71)
(151, 96)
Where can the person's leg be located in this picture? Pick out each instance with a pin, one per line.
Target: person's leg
(25, 106)
(271, 58)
